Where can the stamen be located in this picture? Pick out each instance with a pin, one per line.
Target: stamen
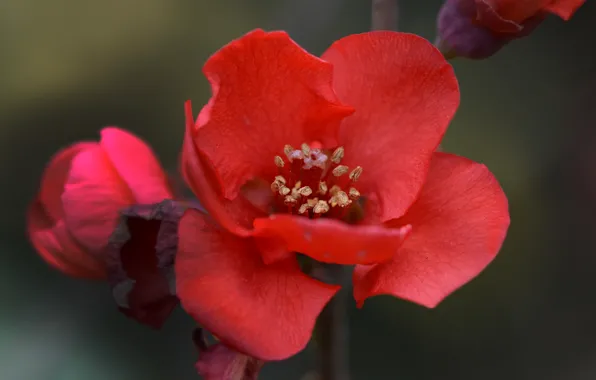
(275, 186)
(337, 155)
(283, 190)
(295, 195)
(356, 173)
(305, 150)
(334, 190)
(322, 188)
(288, 149)
(279, 162)
(321, 207)
(353, 193)
(340, 170)
(303, 208)
(340, 199)
(305, 191)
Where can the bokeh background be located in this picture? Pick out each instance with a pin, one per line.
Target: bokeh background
(70, 67)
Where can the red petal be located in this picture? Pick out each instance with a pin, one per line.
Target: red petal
(236, 216)
(93, 196)
(564, 8)
(267, 92)
(505, 17)
(265, 311)
(137, 165)
(405, 94)
(56, 247)
(54, 178)
(459, 223)
(332, 241)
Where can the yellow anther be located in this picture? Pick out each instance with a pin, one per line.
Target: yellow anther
(353, 193)
(298, 185)
(340, 199)
(305, 191)
(337, 155)
(312, 202)
(280, 179)
(334, 189)
(356, 173)
(340, 170)
(283, 190)
(279, 162)
(303, 208)
(322, 188)
(288, 149)
(321, 207)
(305, 150)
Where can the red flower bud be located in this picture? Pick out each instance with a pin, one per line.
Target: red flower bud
(479, 28)
(82, 191)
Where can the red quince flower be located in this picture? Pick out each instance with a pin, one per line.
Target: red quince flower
(480, 28)
(82, 191)
(333, 158)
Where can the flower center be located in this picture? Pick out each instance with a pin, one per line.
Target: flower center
(313, 182)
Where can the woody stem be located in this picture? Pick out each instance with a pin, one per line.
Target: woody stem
(332, 328)
(384, 14)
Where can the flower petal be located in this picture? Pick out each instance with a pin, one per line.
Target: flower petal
(236, 215)
(265, 311)
(267, 92)
(54, 244)
(405, 94)
(93, 197)
(55, 176)
(137, 165)
(331, 241)
(458, 225)
(564, 8)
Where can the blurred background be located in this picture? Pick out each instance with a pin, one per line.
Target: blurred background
(70, 67)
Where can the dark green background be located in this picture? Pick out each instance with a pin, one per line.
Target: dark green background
(70, 67)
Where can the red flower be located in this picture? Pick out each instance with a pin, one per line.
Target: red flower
(479, 28)
(345, 148)
(82, 191)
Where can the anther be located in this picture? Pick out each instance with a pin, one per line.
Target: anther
(288, 149)
(322, 188)
(353, 193)
(321, 207)
(337, 155)
(340, 170)
(305, 191)
(280, 179)
(303, 208)
(305, 150)
(283, 190)
(342, 199)
(356, 173)
(334, 189)
(279, 162)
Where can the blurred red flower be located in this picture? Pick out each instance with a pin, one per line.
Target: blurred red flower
(333, 158)
(82, 191)
(480, 28)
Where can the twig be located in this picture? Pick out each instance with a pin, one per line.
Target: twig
(384, 15)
